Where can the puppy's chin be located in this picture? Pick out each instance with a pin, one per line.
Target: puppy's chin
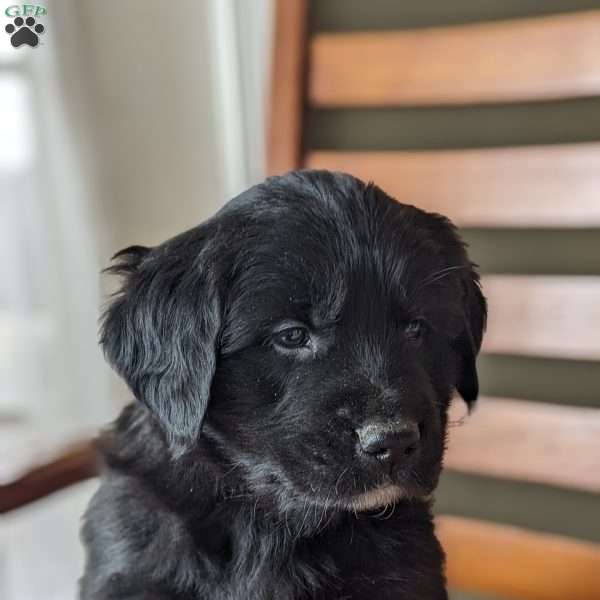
(382, 497)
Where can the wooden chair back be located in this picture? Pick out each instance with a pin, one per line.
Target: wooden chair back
(554, 186)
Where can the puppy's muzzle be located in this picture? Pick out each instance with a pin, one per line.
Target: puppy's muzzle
(392, 445)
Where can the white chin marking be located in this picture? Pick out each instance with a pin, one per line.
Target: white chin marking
(377, 498)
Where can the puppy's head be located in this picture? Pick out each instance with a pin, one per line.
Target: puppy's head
(312, 332)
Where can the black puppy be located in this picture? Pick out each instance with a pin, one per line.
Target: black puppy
(293, 358)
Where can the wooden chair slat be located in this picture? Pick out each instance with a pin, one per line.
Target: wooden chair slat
(515, 439)
(77, 463)
(551, 316)
(508, 61)
(284, 138)
(514, 563)
(545, 186)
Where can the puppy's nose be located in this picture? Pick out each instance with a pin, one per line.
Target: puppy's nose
(389, 444)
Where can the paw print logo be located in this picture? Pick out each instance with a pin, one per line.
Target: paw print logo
(24, 32)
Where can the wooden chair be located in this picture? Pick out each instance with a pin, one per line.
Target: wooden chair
(533, 59)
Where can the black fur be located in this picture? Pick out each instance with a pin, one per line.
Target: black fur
(236, 476)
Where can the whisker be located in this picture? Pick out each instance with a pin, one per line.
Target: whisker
(393, 505)
(339, 480)
(438, 275)
(383, 511)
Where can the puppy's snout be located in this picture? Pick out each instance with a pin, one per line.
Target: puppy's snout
(389, 444)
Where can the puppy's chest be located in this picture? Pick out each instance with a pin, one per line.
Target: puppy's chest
(389, 564)
(347, 565)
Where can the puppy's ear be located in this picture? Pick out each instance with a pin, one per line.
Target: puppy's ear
(160, 332)
(469, 342)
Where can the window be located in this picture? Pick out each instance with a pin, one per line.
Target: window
(53, 382)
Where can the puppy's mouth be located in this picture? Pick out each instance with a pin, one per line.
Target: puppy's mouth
(383, 496)
(378, 497)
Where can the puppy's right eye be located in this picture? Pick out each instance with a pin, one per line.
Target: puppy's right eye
(293, 337)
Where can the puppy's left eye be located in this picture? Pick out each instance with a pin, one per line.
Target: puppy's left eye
(293, 337)
(415, 329)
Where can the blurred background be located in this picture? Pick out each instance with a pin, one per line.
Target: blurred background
(133, 121)
(130, 122)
